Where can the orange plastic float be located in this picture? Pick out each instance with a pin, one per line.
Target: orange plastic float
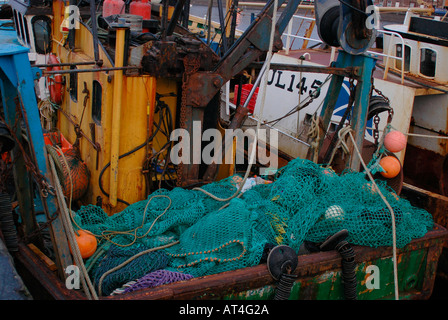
(86, 242)
(391, 166)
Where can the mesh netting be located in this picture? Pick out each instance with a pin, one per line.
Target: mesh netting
(136, 268)
(305, 202)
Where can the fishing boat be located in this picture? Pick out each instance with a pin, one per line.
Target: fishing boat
(415, 93)
(98, 101)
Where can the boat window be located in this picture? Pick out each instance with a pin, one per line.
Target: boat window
(407, 57)
(96, 102)
(20, 23)
(42, 33)
(16, 23)
(428, 59)
(74, 85)
(27, 34)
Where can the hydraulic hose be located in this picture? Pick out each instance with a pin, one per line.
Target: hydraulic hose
(7, 223)
(348, 269)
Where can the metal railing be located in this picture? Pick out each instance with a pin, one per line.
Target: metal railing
(288, 33)
(389, 54)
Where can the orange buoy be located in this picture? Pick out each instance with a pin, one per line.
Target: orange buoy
(391, 166)
(395, 141)
(86, 242)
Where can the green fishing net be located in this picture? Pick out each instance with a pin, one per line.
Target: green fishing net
(207, 236)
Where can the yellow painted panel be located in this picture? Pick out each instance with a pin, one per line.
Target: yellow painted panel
(133, 122)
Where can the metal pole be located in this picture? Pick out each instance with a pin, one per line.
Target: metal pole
(89, 70)
(68, 64)
(94, 31)
(233, 24)
(209, 20)
(176, 14)
(223, 26)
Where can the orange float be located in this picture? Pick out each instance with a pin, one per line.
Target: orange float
(86, 242)
(391, 166)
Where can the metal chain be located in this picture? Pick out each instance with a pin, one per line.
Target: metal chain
(380, 93)
(376, 132)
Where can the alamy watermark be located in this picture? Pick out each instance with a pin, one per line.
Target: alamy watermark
(72, 280)
(373, 17)
(71, 17)
(373, 278)
(229, 148)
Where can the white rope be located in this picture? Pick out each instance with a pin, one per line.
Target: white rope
(314, 135)
(394, 236)
(415, 134)
(266, 65)
(341, 143)
(424, 136)
(46, 110)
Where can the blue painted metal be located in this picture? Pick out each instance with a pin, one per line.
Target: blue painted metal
(8, 34)
(361, 102)
(17, 86)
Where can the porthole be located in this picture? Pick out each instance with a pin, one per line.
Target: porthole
(428, 58)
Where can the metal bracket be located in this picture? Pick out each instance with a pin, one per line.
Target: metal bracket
(36, 72)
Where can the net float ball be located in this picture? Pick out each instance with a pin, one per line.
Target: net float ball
(86, 242)
(391, 166)
(395, 141)
(334, 212)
